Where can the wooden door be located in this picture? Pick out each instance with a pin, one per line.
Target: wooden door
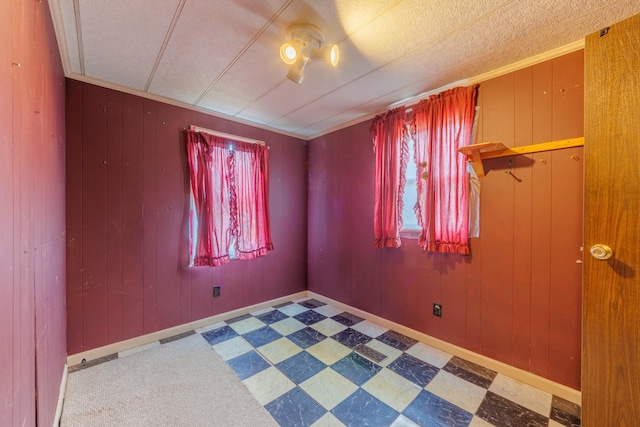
(611, 290)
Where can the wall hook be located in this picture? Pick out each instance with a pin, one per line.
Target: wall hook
(508, 171)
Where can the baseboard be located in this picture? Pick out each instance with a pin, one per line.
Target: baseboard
(120, 346)
(61, 394)
(523, 376)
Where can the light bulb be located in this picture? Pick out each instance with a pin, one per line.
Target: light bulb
(288, 53)
(334, 55)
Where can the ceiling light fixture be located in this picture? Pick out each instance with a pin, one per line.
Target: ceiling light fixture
(304, 42)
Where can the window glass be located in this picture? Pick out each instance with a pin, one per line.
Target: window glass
(410, 196)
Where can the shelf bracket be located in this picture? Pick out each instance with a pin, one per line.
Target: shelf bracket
(489, 150)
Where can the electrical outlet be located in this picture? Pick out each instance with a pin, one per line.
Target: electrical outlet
(437, 309)
(216, 291)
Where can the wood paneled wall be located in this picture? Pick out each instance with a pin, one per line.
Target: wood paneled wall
(32, 224)
(517, 297)
(127, 187)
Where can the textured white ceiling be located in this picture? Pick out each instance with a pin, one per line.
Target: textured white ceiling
(221, 56)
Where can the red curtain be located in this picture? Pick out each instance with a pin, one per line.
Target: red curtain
(389, 133)
(229, 194)
(251, 190)
(443, 123)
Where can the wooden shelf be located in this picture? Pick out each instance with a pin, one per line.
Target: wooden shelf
(488, 150)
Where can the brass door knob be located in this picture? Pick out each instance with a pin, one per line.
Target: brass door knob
(601, 252)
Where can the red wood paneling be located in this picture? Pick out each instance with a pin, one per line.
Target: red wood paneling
(566, 239)
(50, 220)
(523, 108)
(114, 215)
(428, 292)
(171, 202)
(24, 124)
(366, 285)
(474, 298)
(132, 218)
(74, 209)
(94, 216)
(8, 287)
(516, 297)
(32, 264)
(130, 215)
(453, 325)
(319, 231)
(566, 233)
(150, 215)
(497, 216)
(541, 219)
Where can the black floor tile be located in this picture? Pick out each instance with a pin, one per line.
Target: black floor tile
(309, 317)
(351, 338)
(397, 340)
(219, 335)
(471, 372)
(502, 412)
(427, 409)
(356, 368)
(414, 369)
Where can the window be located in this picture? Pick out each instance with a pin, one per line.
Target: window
(439, 188)
(229, 199)
(443, 123)
(410, 227)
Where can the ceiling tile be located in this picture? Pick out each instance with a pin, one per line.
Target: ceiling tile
(120, 41)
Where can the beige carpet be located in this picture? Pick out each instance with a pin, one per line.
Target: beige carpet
(180, 383)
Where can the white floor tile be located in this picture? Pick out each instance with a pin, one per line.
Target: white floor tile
(429, 354)
(268, 385)
(403, 421)
(293, 309)
(328, 388)
(392, 389)
(247, 325)
(287, 326)
(369, 328)
(328, 351)
(479, 422)
(522, 394)
(328, 420)
(328, 327)
(279, 350)
(328, 310)
(232, 348)
(461, 393)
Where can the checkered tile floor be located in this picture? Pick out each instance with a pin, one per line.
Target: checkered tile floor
(311, 364)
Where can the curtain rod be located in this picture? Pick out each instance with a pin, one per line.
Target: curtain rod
(226, 135)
